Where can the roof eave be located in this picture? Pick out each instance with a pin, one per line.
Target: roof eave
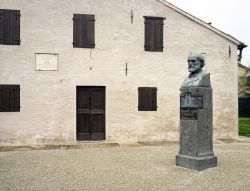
(201, 22)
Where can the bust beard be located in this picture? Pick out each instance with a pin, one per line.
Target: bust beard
(196, 73)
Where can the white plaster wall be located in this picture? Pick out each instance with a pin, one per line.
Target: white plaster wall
(48, 98)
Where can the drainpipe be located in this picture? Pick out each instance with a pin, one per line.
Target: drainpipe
(241, 46)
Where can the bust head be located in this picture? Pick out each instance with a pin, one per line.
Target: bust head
(195, 62)
(197, 77)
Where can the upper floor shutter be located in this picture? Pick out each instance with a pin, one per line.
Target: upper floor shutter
(9, 27)
(89, 31)
(153, 34)
(149, 35)
(1, 25)
(14, 27)
(6, 27)
(77, 30)
(158, 37)
(83, 31)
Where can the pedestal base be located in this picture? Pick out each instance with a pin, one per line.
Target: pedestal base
(196, 163)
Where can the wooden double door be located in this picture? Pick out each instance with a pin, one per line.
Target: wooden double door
(90, 113)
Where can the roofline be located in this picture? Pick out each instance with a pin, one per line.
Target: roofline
(201, 22)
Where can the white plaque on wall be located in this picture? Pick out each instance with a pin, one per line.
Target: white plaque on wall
(46, 61)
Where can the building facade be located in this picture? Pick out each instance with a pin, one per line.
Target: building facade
(106, 70)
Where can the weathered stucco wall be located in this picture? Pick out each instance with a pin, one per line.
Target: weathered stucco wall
(48, 99)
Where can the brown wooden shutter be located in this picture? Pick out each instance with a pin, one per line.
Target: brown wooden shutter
(158, 37)
(142, 99)
(153, 33)
(10, 27)
(4, 98)
(77, 30)
(153, 99)
(89, 41)
(147, 98)
(149, 35)
(14, 32)
(1, 25)
(6, 27)
(14, 92)
(9, 98)
(83, 31)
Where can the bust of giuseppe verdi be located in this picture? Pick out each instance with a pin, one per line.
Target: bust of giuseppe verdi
(197, 77)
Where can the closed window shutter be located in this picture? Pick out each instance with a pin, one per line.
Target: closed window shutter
(1, 25)
(77, 30)
(14, 92)
(4, 98)
(153, 34)
(6, 27)
(89, 31)
(143, 99)
(9, 98)
(14, 27)
(149, 35)
(83, 31)
(153, 99)
(147, 98)
(9, 27)
(158, 26)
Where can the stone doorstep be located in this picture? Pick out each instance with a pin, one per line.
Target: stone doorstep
(104, 144)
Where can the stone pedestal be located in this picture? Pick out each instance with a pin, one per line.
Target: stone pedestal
(196, 129)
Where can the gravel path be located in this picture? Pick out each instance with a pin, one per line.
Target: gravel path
(123, 168)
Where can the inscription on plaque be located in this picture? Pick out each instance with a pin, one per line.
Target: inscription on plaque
(189, 101)
(189, 113)
(189, 106)
(46, 61)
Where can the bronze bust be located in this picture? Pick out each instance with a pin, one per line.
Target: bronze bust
(197, 77)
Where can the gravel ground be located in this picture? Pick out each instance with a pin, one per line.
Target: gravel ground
(123, 168)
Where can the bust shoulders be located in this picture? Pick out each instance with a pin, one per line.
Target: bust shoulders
(205, 80)
(201, 79)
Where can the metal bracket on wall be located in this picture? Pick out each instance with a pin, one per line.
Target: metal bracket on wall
(126, 69)
(229, 51)
(132, 16)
